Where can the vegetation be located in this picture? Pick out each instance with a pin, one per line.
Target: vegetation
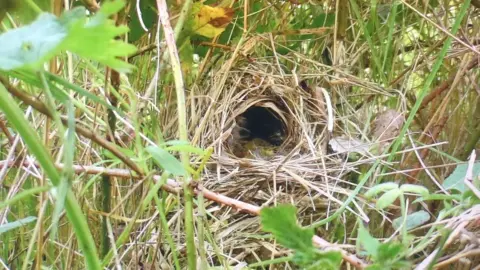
(155, 134)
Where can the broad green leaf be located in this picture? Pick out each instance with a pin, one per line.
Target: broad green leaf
(413, 220)
(31, 45)
(414, 189)
(95, 39)
(18, 223)
(166, 161)
(369, 243)
(380, 188)
(455, 180)
(281, 221)
(388, 198)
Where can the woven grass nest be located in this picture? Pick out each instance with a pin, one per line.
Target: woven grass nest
(227, 113)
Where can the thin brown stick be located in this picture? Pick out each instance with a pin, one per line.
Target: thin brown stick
(443, 86)
(7, 133)
(40, 107)
(143, 50)
(174, 187)
(91, 5)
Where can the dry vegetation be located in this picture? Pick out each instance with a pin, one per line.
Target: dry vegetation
(341, 95)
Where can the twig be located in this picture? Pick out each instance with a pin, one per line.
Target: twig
(40, 107)
(174, 187)
(7, 133)
(442, 87)
(143, 50)
(91, 5)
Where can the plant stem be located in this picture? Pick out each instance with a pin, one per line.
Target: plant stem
(73, 209)
(182, 128)
(428, 82)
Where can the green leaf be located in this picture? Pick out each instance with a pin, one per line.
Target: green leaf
(389, 251)
(369, 243)
(414, 189)
(18, 223)
(330, 260)
(388, 198)
(166, 161)
(455, 180)
(95, 39)
(281, 221)
(380, 188)
(413, 220)
(31, 45)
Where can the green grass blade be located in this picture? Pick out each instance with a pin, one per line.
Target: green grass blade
(74, 213)
(428, 82)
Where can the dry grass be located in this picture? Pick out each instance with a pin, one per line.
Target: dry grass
(304, 170)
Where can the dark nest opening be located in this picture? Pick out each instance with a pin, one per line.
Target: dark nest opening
(262, 123)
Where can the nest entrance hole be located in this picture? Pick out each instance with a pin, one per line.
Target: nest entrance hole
(262, 123)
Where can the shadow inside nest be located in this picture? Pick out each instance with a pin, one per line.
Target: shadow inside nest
(259, 133)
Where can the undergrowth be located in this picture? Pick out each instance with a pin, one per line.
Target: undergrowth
(130, 134)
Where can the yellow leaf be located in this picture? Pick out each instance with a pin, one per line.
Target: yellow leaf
(211, 21)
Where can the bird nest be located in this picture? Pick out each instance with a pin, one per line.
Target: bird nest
(269, 133)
